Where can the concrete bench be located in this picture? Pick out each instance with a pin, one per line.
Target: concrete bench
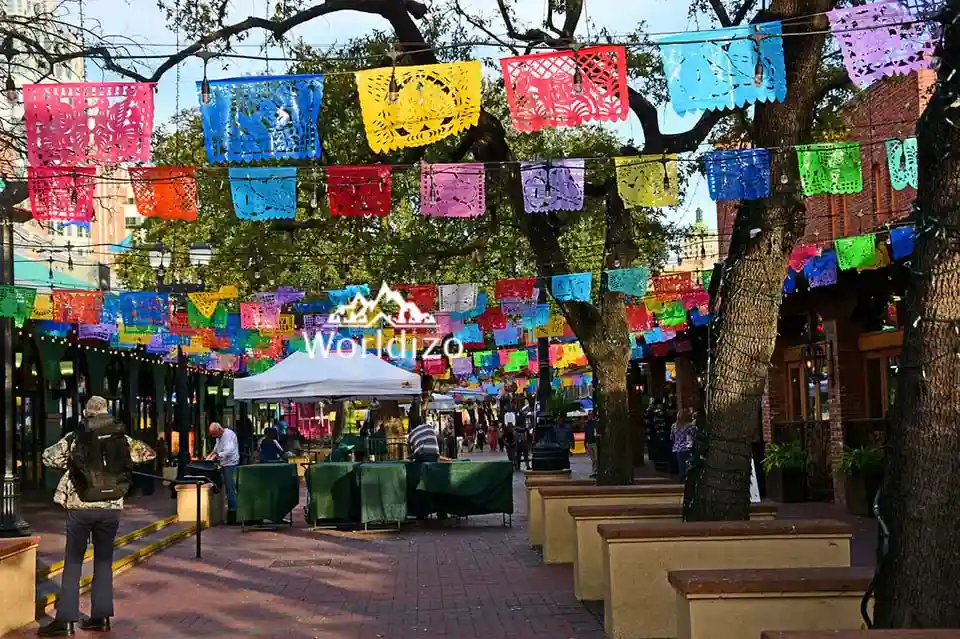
(535, 505)
(732, 604)
(640, 603)
(588, 577)
(559, 534)
(18, 582)
(861, 634)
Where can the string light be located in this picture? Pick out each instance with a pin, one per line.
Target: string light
(206, 97)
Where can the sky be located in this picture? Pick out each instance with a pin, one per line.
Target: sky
(143, 22)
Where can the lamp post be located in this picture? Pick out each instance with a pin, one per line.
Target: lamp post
(11, 522)
(201, 254)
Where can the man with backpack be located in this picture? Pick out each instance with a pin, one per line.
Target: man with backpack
(98, 459)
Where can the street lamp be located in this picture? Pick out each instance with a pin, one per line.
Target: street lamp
(159, 259)
(201, 254)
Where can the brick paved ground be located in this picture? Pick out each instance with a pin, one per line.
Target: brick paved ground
(46, 520)
(477, 580)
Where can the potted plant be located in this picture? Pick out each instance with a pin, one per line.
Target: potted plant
(862, 470)
(786, 468)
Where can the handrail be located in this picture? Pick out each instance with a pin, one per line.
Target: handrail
(884, 549)
(195, 480)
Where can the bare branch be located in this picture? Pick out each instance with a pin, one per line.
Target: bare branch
(745, 8)
(721, 13)
(481, 25)
(655, 141)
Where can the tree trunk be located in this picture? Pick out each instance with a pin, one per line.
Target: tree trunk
(614, 450)
(919, 582)
(744, 330)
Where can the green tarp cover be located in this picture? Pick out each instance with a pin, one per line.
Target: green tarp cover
(266, 491)
(333, 492)
(467, 488)
(383, 492)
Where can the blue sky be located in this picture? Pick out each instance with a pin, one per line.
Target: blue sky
(145, 24)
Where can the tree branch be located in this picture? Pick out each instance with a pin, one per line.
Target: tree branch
(835, 81)
(745, 8)
(721, 13)
(655, 141)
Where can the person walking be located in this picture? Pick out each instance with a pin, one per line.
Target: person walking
(227, 452)
(481, 437)
(98, 459)
(681, 433)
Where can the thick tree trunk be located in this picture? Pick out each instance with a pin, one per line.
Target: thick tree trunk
(744, 331)
(919, 582)
(615, 457)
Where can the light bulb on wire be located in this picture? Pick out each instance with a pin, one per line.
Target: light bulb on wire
(393, 92)
(11, 88)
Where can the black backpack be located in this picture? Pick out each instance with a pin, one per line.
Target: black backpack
(100, 462)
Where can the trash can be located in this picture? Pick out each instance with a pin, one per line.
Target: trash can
(208, 469)
(212, 471)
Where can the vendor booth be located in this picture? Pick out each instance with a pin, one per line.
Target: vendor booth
(345, 491)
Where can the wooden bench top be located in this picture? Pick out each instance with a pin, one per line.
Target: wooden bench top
(540, 482)
(861, 634)
(643, 510)
(758, 580)
(773, 527)
(603, 491)
(9, 547)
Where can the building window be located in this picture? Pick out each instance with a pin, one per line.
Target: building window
(131, 222)
(880, 374)
(130, 200)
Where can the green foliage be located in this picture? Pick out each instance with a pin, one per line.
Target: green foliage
(319, 252)
(788, 456)
(857, 461)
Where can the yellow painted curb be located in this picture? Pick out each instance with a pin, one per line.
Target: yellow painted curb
(119, 542)
(123, 563)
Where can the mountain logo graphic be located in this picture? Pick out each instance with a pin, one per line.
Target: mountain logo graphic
(363, 313)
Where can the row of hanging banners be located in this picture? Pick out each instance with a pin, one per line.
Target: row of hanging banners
(219, 332)
(72, 129)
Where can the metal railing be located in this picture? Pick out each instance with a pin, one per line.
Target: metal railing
(882, 555)
(194, 480)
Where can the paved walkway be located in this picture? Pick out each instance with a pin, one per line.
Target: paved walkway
(46, 520)
(472, 581)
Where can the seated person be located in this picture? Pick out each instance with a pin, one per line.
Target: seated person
(270, 449)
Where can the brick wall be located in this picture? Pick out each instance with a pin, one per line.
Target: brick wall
(889, 109)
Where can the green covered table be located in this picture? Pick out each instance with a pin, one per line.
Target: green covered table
(466, 488)
(266, 492)
(333, 492)
(383, 492)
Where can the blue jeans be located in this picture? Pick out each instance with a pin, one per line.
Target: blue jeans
(231, 486)
(683, 460)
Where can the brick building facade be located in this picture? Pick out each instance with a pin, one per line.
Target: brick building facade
(858, 318)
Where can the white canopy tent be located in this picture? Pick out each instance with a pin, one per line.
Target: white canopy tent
(337, 376)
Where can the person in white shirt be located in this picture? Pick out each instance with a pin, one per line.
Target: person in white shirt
(510, 419)
(227, 452)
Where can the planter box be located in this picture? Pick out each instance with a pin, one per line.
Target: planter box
(639, 602)
(860, 490)
(18, 582)
(731, 604)
(787, 485)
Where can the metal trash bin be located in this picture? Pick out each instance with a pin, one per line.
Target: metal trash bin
(208, 469)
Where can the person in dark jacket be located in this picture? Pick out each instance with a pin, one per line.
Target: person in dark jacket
(270, 450)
